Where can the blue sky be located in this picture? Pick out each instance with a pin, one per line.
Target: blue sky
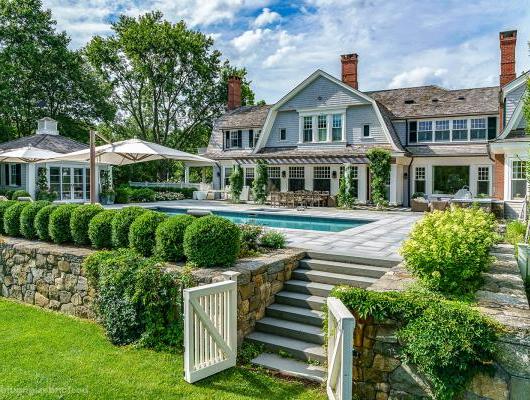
(400, 43)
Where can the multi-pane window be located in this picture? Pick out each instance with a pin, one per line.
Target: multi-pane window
(460, 130)
(483, 181)
(308, 129)
(249, 176)
(228, 172)
(442, 132)
(234, 139)
(336, 127)
(283, 134)
(322, 173)
(419, 180)
(275, 183)
(296, 178)
(478, 129)
(366, 131)
(518, 179)
(322, 128)
(425, 131)
(13, 175)
(322, 179)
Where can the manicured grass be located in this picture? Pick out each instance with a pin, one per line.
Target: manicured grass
(44, 355)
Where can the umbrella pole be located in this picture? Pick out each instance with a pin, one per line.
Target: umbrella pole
(92, 167)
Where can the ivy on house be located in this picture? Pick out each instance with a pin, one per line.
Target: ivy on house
(347, 196)
(259, 186)
(236, 183)
(379, 174)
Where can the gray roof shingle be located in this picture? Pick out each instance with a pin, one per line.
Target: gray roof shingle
(435, 101)
(57, 143)
(244, 117)
(449, 150)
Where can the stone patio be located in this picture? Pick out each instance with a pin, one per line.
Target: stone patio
(382, 237)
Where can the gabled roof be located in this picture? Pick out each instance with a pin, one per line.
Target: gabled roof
(435, 101)
(385, 124)
(57, 143)
(520, 80)
(244, 117)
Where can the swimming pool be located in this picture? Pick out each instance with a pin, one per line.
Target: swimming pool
(311, 223)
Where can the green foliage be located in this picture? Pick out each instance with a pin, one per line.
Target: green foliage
(4, 205)
(142, 232)
(236, 183)
(43, 190)
(28, 215)
(447, 340)
(170, 237)
(127, 194)
(12, 218)
(122, 223)
(59, 224)
(19, 193)
(250, 235)
(260, 184)
(212, 241)
(79, 221)
(42, 222)
(379, 174)
(448, 250)
(416, 195)
(249, 351)
(347, 197)
(137, 302)
(100, 229)
(273, 240)
(515, 232)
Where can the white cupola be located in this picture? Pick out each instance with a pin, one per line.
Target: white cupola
(47, 126)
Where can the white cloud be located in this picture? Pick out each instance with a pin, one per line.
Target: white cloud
(249, 39)
(275, 58)
(266, 17)
(418, 76)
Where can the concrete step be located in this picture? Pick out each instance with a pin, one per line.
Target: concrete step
(338, 267)
(294, 330)
(331, 278)
(503, 256)
(387, 262)
(295, 314)
(290, 367)
(300, 300)
(503, 248)
(295, 348)
(317, 289)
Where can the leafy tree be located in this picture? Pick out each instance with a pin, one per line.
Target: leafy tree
(380, 173)
(259, 186)
(236, 183)
(40, 76)
(247, 95)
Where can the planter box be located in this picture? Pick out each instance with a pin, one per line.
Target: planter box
(523, 259)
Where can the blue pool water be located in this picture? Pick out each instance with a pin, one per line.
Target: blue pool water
(282, 221)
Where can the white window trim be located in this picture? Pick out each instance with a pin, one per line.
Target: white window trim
(369, 132)
(11, 167)
(280, 135)
(490, 179)
(314, 113)
(450, 119)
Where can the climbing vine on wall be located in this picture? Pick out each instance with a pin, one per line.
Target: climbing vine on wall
(259, 186)
(380, 160)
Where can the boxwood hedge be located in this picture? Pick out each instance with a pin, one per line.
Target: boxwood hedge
(142, 232)
(170, 237)
(42, 222)
(28, 219)
(79, 221)
(59, 225)
(12, 218)
(99, 229)
(122, 223)
(4, 205)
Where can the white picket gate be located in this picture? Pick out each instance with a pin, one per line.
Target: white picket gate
(341, 324)
(210, 328)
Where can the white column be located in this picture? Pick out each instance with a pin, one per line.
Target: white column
(429, 177)
(308, 177)
(31, 180)
(186, 174)
(362, 179)
(334, 186)
(473, 179)
(284, 182)
(393, 184)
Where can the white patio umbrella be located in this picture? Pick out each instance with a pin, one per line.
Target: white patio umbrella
(134, 151)
(27, 154)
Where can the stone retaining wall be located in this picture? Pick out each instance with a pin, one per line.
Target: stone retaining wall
(51, 276)
(379, 374)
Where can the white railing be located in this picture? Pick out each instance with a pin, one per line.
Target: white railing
(210, 328)
(176, 185)
(341, 324)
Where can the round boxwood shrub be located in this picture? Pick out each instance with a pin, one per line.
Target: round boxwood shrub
(59, 226)
(19, 193)
(99, 229)
(42, 221)
(12, 218)
(27, 219)
(142, 232)
(79, 221)
(122, 223)
(4, 205)
(170, 236)
(212, 241)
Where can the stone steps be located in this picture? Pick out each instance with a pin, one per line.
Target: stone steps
(295, 314)
(290, 367)
(313, 288)
(332, 278)
(294, 330)
(298, 349)
(338, 267)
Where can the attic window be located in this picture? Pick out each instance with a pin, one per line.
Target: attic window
(410, 101)
(461, 98)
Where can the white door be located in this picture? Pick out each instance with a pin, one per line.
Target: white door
(70, 183)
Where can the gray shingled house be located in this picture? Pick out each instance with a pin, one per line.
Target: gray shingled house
(440, 139)
(70, 180)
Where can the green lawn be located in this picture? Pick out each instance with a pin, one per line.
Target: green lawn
(44, 355)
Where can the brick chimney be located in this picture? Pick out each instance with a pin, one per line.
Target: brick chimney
(349, 69)
(234, 92)
(507, 41)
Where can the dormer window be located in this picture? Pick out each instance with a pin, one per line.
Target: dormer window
(322, 128)
(308, 129)
(478, 129)
(336, 129)
(283, 134)
(409, 101)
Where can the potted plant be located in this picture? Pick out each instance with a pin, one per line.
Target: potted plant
(107, 194)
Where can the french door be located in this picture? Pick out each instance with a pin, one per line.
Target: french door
(70, 183)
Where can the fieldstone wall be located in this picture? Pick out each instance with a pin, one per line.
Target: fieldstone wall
(51, 276)
(45, 275)
(379, 374)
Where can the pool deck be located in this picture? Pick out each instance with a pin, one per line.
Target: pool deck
(382, 237)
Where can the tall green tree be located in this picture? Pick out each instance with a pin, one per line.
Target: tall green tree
(40, 76)
(168, 81)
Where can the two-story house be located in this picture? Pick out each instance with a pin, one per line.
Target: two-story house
(439, 138)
